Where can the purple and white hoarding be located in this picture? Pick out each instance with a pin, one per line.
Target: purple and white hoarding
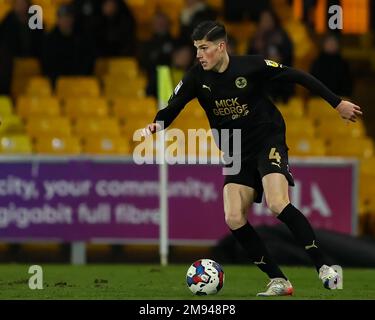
(115, 200)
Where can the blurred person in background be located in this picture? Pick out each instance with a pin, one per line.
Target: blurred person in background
(232, 45)
(240, 10)
(182, 61)
(271, 41)
(158, 49)
(66, 52)
(193, 13)
(17, 40)
(331, 68)
(86, 13)
(115, 30)
(16, 35)
(182, 58)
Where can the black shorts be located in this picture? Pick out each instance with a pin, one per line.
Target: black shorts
(271, 159)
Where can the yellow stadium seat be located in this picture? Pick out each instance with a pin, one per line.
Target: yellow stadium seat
(134, 124)
(240, 30)
(80, 107)
(50, 17)
(299, 146)
(101, 67)
(97, 126)
(5, 7)
(57, 145)
(144, 146)
(296, 103)
(366, 189)
(319, 109)
(37, 106)
(11, 124)
(126, 67)
(127, 108)
(218, 5)
(106, 144)
(115, 87)
(26, 67)
(23, 70)
(351, 147)
(77, 87)
(367, 166)
(48, 126)
(301, 127)
(39, 86)
(290, 114)
(15, 144)
(328, 131)
(6, 105)
(143, 11)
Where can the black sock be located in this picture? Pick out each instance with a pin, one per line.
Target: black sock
(303, 232)
(251, 242)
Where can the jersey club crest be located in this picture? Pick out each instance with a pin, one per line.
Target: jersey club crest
(241, 82)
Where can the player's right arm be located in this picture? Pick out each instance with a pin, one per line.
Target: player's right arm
(182, 94)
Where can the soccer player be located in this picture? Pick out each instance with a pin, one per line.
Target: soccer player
(232, 91)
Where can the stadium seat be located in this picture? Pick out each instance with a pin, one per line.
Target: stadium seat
(299, 146)
(37, 106)
(144, 146)
(15, 144)
(326, 130)
(290, 114)
(57, 145)
(77, 87)
(351, 147)
(26, 67)
(240, 30)
(115, 87)
(143, 11)
(49, 14)
(101, 67)
(97, 126)
(127, 108)
(366, 190)
(301, 127)
(11, 124)
(39, 86)
(6, 105)
(80, 107)
(5, 7)
(125, 67)
(106, 145)
(319, 110)
(296, 103)
(48, 126)
(23, 70)
(367, 166)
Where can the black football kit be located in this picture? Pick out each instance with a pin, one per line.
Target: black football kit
(237, 99)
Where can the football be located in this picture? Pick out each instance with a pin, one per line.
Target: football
(205, 277)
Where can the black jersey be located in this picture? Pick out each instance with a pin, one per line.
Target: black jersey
(237, 98)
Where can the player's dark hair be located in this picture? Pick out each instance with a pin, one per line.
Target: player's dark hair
(210, 31)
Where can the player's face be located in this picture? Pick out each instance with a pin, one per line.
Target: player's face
(209, 53)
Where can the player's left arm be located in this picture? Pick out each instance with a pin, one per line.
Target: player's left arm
(346, 109)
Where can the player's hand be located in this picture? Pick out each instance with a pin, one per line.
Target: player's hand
(348, 111)
(150, 129)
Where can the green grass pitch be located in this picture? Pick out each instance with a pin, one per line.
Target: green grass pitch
(154, 282)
